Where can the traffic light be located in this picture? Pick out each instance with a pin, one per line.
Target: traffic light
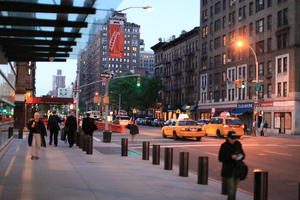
(138, 82)
(238, 83)
(243, 85)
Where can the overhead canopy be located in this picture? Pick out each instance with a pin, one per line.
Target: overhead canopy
(240, 111)
(45, 30)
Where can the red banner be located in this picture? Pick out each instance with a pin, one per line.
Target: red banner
(48, 100)
(116, 39)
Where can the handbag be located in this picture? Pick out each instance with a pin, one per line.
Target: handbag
(240, 170)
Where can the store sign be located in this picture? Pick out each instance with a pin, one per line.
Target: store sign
(264, 104)
(245, 105)
(116, 39)
(283, 103)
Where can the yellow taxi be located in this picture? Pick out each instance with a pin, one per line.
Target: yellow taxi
(220, 126)
(183, 128)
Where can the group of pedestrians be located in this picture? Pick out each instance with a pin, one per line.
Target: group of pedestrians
(38, 132)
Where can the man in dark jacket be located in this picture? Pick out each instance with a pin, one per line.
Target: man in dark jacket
(230, 152)
(53, 127)
(71, 127)
(88, 125)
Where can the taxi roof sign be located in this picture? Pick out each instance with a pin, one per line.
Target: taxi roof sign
(178, 111)
(183, 116)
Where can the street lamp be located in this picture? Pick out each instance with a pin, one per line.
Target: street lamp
(143, 7)
(240, 44)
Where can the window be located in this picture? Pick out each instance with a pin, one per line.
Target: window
(224, 22)
(260, 5)
(284, 64)
(261, 92)
(204, 32)
(250, 8)
(204, 2)
(279, 65)
(29, 71)
(285, 89)
(210, 79)
(279, 89)
(250, 92)
(282, 41)
(211, 11)
(224, 4)
(232, 17)
(250, 29)
(288, 120)
(260, 47)
(261, 69)
(204, 15)
(269, 67)
(217, 42)
(211, 28)
(269, 3)
(269, 44)
(269, 22)
(224, 59)
(217, 25)
(267, 119)
(260, 26)
(223, 77)
(211, 42)
(224, 40)
(217, 60)
(204, 47)
(217, 7)
(269, 90)
(282, 17)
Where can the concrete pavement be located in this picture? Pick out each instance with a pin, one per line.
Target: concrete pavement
(68, 173)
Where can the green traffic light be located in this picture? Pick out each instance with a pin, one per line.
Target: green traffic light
(138, 85)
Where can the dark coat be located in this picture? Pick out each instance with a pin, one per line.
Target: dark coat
(53, 123)
(134, 129)
(88, 126)
(71, 123)
(39, 128)
(225, 156)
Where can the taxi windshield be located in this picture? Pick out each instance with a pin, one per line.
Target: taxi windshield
(233, 122)
(187, 123)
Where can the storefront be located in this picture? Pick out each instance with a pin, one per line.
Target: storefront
(244, 111)
(190, 110)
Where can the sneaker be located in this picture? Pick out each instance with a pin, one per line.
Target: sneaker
(32, 157)
(36, 158)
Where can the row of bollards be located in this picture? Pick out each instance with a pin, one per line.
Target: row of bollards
(84, 142)
(260, 177)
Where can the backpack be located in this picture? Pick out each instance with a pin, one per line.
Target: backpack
(240, 170)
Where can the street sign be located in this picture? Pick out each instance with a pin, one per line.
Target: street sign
(134, 111)
(178, 111)
(106, 75)
(106, 100)
(97, 99)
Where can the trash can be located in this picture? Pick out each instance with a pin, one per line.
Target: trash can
(106, 136)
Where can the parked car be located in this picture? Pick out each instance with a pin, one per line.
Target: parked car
(122, 120)
(184, 128)
(157, 122)
(148, 120)
(220, 126)
(139, 121)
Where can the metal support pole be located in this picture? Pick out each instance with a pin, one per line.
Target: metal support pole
(89, 150)
(184, 164)
(106, 105)
(119, 104)
(156, 154)
(124, 147)
(260, 185)
(146, 149)
(168, 158)
(203, 170)
(20, 136)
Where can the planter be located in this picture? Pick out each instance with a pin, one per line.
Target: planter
(106, 136)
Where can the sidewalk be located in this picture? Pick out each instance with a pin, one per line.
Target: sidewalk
(68, 173)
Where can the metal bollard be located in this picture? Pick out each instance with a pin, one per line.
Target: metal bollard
(10, 132)
(168, 158)
(203, 170)
(78, 138)
(20, 136)
(146, 149)
(89, 141)
(124, 147)
(156, 154)
(260, 185)
(184, 164)
(81, 142)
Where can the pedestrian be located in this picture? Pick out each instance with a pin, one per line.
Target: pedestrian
(53, 127)
(36, 137)
(254, 128)
(133, 130)
(88, 125)
(230, 153)
(261, 128)
(70, 128)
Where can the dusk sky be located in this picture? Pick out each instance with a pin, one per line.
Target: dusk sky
(167, 18)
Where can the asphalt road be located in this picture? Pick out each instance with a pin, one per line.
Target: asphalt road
(278, 156)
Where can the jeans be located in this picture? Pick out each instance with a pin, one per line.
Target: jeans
(231, 184)
(55, 133)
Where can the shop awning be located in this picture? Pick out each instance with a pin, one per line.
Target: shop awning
(187, 107)
(240, 111)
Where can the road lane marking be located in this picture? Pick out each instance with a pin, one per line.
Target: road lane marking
(10, 165)
(96, 139)
(282, 154)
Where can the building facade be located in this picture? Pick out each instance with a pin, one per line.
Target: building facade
(177, 63)
(270, 28)
(94, 59)
(58, 81)
(146, 67)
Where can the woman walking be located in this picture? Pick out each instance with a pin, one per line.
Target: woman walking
(134, 129)
(37, 131)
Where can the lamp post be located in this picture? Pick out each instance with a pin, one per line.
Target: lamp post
(143, 7)
(240, 44)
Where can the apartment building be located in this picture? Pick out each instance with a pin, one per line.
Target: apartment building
(270, 28)
(177, 62)
(95, 59)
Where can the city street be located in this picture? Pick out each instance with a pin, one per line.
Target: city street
(277, 156)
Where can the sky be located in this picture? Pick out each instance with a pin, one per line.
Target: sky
(167, 18)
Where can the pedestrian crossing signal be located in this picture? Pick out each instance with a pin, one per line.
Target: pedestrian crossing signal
(138, 82)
